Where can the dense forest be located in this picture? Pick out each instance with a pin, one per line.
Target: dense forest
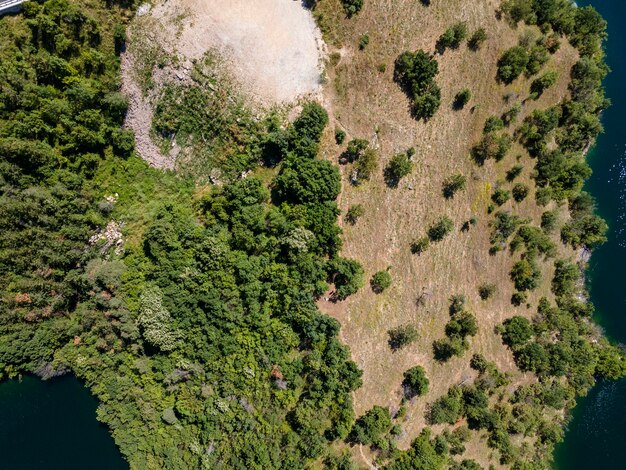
(189, 310)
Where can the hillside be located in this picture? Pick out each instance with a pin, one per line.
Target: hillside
(261, 245)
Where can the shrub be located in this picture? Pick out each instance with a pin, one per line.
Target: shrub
(402, 336)
(476, 40)
(566, 277)
(452, 184)
(364, 167)
(372, 426)
(516, 331)
(354, 151)
(364, 40)
(420, 245)
(452, 37)
(493, 123)
(380, 281)
(520, 191)
(354, 213)
(510, 116)
(352, 7)
(512, 63)
(541, 84)
(440, 229)
(518, 298)
(340, 136)
(457, 304)
(415, 72)
(462, 98)
(415, 382)
(398, 167)
(347, 275)
(525, 275)
(492, 145)
(446, 409)
(486, 291)
(444, 349)
(514, 172)
(549, 220)
(501, 196)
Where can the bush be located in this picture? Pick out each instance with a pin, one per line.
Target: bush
(516, 331)
(354, 151)
(415, 382)
(512, 63)
(476, 40)
(380, 281)
(365, 166)
(354, 213)
(549, 220)
(514, 172)
(525, 275)
(462, 98)
(420, 245)
(340, 136)
(347, 275)
(541, 84)
(500, 196)
(398, 167)
(415, 72)
(352, 7)
(444, 349)
(486, 291)
(518, 298)
(402, 336)
(493, 123)
(452, 37)
(566, 278)
(492, 145)
(440, 229)
(372, 426)
(446, 409)
(520, 191)
(452, 184)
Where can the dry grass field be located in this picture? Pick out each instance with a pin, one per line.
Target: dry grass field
(366, 103)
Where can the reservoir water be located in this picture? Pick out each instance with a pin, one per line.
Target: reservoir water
(596, 436)
(52, 425)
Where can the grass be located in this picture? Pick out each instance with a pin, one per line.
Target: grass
(366, 99)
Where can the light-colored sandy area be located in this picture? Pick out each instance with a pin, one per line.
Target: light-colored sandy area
(271, 49)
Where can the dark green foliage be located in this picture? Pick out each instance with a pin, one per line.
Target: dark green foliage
(364, 40)
(492, 145)
(501, 196)
(415, 382)
(423, 455)
(415, 72)
(370, 428)
(512, 64)
(440, 229)
(380, 281)
(503, 226)
(535, 241)
(510, 116)
(519, 298)
(525, 275)
(402, 336)
(355, 150)
(477, 39)
(462, 98)
(420, 245)
(453, 184)
(514, 172)
(398, 167)
(303, 180)
(340, 136)
(520, 191)
(538, 56)
(364, 167)
(446, 409)
(493, 123)
(452, 37)
(352, 7)
(549, 220)
(566, 278)
(354, 213)
(307, 130)
(486, 291)
(516, 332)
(347, 275)
(541, 84)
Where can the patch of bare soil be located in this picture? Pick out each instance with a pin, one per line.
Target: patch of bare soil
(271, 48)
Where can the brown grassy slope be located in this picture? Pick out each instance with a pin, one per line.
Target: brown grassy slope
(368, 104)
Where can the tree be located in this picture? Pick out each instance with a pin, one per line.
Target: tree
(461, 98)
(402, 336)
(372, 426)
(525, 275)
(303, 180)
(486, 291)
(347, 275)
(440, 229)
(452, 37)
(520, 191)
(365, 166)
(566, 277)
(512, 63)
(398, 167)
(446, 409)
(514, 172)
(452, 184)
(352, 7)
(355, 212)
(354, 151)
(380, 281)
(501, 196)
(415, 72)
(477, 39)
(420, 245)
(516, 331)
(541, 84)
(155, 321)
(415, 382)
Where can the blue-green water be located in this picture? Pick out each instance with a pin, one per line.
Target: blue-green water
(596, 437)
(52, 426)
